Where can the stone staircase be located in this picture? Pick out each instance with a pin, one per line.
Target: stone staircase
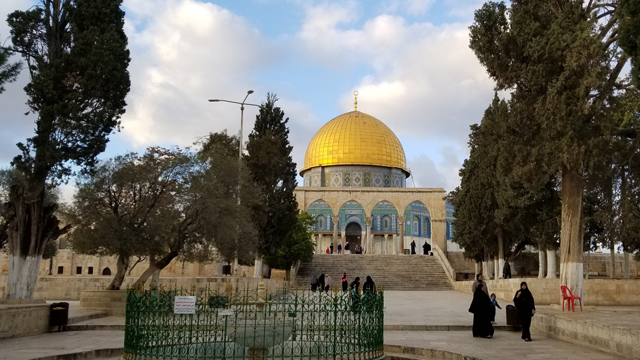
(394, 272)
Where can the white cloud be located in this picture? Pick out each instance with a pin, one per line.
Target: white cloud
(183, 53)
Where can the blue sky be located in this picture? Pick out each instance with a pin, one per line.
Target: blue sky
(408, 59)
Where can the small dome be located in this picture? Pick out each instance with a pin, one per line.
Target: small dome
(355, 138)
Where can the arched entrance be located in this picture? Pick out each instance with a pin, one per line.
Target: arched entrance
(353, 233)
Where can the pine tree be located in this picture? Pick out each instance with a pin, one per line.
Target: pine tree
(274, 173)
(8, 71)
(77, 57)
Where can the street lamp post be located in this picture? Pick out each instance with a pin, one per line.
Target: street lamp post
(242, 104)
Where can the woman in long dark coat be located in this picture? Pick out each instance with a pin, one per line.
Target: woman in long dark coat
(523, 300)
(481, 309)
(321, 282)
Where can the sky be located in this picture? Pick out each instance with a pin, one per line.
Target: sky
(409, 60)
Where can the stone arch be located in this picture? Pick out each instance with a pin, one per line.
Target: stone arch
(320, 209)
(351, 211)
(415, 215)
(106, 271)
(384, 209)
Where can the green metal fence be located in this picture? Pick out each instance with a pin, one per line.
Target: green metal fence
(253, 324)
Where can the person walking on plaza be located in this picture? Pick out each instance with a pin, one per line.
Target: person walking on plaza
(479, 280)
(481, 309)
(426, 248)
(506, 270)
(523, 300)
(339, 248)
(327, 282)
(413, 247)
(495, 304)
(345, 282)
(347, 250)
(321, 283)
(331, 247)
(314, 283)
(369, 286)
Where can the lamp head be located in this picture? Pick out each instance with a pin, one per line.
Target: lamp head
(250, 92)
(214, 100)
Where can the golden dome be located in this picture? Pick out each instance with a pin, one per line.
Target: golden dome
(355, 138)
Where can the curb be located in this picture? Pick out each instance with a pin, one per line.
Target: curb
(94, 327)
(90, 354)
(445, 327)
(399, 352)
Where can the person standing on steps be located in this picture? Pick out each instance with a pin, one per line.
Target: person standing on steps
(339, 248)
(347, 250)
(481, 309)
(413, 247)
(345, 282)
(331, 247)
(523, 300)
(314, 283)
(327, 282)
(321, 282)
(355, 285)
(369, 286)
(479, 280)
(426, 248)
(328, 251)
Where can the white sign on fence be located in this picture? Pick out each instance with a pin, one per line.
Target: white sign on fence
(184, 305)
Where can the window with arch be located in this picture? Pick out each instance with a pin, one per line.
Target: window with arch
(386, 224)
(416, 226)
(426, 227)
(320, 224)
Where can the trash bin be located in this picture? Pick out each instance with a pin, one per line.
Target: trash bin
(59, 315)
(226, 269)
(512, 316)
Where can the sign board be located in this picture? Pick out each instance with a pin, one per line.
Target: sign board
(225, 312)
(184, 305)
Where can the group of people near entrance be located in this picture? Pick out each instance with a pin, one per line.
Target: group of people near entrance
(426, 248)
(323, 283)
(357, 249)
(484, 307)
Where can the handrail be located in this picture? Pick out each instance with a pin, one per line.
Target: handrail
(448, 269)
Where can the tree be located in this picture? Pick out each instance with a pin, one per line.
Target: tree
(297, 246)
(127, 206)
(8, 71)
(232, 198)
(562, 63)
(274, 174)
(77, 57)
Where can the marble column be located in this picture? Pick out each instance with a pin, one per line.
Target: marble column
(336, 220)
(395, 244)
(369, 246)
(401, 220)
(383, 248)
(319, 244)
(343, 238)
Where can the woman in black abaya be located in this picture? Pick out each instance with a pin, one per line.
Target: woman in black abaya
(481, 309)
(523, 300)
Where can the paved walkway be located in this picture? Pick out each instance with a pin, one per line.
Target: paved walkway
(402, 308)
(505, 345)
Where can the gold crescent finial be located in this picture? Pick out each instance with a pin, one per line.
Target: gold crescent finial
(355, 103)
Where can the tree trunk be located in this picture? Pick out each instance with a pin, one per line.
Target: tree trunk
(287, 274)
(627, 269)
(571, 242)
(51, 266)
(612, 248)
(257, 273)
(551, 262)
(31, 226)
(542, 260)
(478, 269)
(155, 279)
(121, 269)
(153, 267)
(500, 235)
(496, 267)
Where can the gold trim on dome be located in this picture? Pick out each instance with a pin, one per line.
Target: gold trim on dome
(355, 138)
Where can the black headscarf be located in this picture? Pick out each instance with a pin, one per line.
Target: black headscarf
(321, 280)
(525, 302)
(478, 277)
(369, 285)
(356, 284)
(481, 301)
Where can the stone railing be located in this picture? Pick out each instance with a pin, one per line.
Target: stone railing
(442, 258)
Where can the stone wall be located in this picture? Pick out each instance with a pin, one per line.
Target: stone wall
(598, 264)
(23, 319)
(70, 287)
(547, 291)
(68, 263)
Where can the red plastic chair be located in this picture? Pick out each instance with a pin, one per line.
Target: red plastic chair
(567, 295)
